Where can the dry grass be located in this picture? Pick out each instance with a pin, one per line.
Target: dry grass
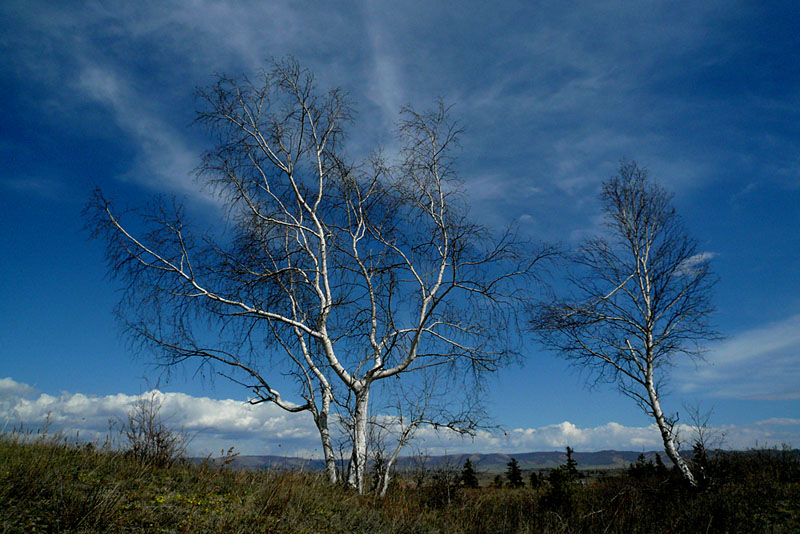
(51, 485)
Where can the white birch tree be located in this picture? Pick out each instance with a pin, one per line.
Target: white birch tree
(640, 298)
(337, 273)
(435, 400)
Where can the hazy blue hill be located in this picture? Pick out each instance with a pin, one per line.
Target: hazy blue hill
(490, 462)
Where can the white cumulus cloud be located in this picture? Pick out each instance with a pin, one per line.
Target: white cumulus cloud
(218, 424)
(213, 424)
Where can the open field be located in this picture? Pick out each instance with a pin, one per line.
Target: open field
(51, 485)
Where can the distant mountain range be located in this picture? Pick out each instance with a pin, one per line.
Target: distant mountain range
(492, 462)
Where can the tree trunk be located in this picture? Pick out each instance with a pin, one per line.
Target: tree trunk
(667, 435)
(358, 459)
(325, 436)
(387, 470)
(383, 485)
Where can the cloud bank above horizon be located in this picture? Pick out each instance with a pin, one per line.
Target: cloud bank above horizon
(216, 425)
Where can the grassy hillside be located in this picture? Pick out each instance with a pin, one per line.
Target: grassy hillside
(50, 485)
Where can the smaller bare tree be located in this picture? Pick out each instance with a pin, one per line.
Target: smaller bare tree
(428, 403)
(703, 434)
(149, 439)
(639, 299)
(705, 439)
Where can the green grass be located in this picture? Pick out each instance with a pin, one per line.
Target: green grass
(50, 485)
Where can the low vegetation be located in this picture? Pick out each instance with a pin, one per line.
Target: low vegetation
(54, 485)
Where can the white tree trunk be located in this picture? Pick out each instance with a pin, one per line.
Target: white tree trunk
(358, 459)
(384, 482)
(327, 445)
(383, 485)
(667, 434)
(387, 470)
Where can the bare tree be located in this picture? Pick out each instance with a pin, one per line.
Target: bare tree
(639, 298)
(706, 440)
(337, 273)
(149, 439)
(705, 437)
(433, 401)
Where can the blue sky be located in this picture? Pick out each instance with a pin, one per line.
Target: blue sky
(706, 95)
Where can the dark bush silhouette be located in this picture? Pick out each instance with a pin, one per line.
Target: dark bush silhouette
(468, 477)
(514, 474)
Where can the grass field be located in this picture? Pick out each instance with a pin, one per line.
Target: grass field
(52, 485)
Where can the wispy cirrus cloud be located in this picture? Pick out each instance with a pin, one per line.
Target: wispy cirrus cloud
(690, 265)
(133, 70)
(554, 95)
(760, 363)
(165, 161)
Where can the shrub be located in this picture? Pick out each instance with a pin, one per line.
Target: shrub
(149, 439)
